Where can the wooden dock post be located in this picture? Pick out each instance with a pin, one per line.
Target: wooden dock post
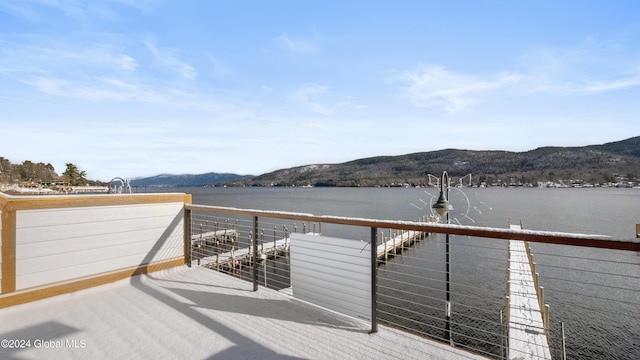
(250, 251)
(507, 304)
(386, 252)
(546, 321)
(395, 249)
(286, 240)
(275, 248)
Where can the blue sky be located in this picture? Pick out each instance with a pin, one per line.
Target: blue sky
(137, 88)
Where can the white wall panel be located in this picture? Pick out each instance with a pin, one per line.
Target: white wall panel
(61, 244)
(82, 243)
(333, 273)
(49, 224)
(0, 251)
(89, 256)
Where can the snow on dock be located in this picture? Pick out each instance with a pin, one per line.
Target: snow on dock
(210, 241)
(228, 255)
(528, 321)
(396, 243)
(233, 257)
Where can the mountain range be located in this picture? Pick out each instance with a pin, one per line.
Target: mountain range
(593, 164)
(169, 180)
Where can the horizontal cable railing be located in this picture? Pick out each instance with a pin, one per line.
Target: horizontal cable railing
(591, 285)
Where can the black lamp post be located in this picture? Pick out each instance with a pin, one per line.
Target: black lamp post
(442, 207)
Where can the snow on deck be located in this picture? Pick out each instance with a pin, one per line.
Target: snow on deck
(527, 339)
(197, 313)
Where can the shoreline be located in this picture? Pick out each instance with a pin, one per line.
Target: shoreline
(15, 189)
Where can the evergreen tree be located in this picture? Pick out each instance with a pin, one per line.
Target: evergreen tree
(74, 176)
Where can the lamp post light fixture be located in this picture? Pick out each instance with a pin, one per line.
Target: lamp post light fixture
(442, 207)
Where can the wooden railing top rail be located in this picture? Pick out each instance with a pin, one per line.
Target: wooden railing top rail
(549, 237)
(20, 202)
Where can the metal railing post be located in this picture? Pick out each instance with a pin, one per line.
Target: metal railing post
(255, 253)
(187, 236)
(564, 345)
(374, 280)
(447, 334)
(502, 335)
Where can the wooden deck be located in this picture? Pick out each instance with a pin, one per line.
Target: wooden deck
(196, 313)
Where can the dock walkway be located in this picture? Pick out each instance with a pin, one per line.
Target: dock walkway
(234, 257)
(527, 333)
(396, 243)
(389, 247)
(268, 249)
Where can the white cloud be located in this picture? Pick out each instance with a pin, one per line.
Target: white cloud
(83, 11)
(265, 90)
(430, 85)
(585, 70)
(44, 56)
(100, 72)
(612, 85)
(298, 44)
(218, 68)
(107, 89)
(321, 100)
(101, 89)
(588, 68)
(168, 59)
(304, 97)
(19, 9)
(127, 62)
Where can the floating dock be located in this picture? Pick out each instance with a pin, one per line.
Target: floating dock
(221, 249)
(213, 238)
(396, 243)
(235, 257)
(527, 315)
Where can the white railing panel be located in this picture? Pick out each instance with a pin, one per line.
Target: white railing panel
(55, 245)
(314, 277)
(0, 251)
(64, 223)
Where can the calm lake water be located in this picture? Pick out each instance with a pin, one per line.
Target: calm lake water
(601, 322)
